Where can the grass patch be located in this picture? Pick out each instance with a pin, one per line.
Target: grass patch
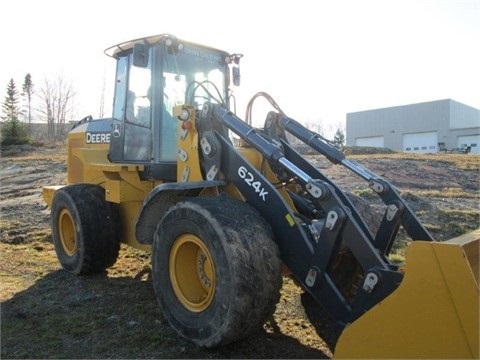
(397, 254)
(451, 192)
(366, 193)
(447, 224)
(444, 225)
(47, 152)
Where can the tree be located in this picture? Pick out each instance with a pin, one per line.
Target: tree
(315, 126)
(102, 100)
(339, 139)
(28, 92)
(13, 132)
(57, 98)
(10, 106)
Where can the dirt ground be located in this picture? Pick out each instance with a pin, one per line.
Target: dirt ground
(48, 313)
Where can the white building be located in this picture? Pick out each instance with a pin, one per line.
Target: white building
(427, 127)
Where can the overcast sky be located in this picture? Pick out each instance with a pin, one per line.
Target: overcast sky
(318, 59)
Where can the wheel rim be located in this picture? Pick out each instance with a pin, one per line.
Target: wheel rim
(192, 273)
(66, 230)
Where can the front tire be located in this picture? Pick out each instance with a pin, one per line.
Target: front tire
(216, 270)
(85, 229)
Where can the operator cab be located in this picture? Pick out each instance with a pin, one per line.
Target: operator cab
(153, 75)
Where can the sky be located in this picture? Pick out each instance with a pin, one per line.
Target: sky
(318, 59)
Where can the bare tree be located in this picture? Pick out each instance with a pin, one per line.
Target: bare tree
(56, 105)
(101, 112)
(315, 126)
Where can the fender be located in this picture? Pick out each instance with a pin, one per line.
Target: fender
(160, 199)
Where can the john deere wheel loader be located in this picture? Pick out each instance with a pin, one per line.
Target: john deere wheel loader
(224, 206)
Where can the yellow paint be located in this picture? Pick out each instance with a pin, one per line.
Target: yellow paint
(290, 220)
(188, 169)
(48, 193)
(128, 216)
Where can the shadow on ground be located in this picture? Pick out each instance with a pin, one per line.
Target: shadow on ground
(65, 316)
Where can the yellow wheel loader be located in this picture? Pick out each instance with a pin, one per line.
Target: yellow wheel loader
(224, 207)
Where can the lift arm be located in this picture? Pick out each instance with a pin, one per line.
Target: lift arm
(308, 248)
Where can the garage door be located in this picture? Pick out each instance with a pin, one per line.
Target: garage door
(425, 142)
(374, 141)
(471, 140)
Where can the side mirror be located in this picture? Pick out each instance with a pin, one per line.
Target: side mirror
(236, 75)
(140, 55)
(235, 62)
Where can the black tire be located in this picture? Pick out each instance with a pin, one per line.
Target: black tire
(216, 270)
(85, 229)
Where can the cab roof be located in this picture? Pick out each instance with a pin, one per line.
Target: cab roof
(115, 50)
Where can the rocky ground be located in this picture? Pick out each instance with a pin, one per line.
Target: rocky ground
(47, 313)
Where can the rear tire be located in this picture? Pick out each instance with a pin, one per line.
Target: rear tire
(85, 229)
(216, 270)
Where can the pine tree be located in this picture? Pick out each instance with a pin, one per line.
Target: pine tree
(10, 105)
(339, 139)
(13, 132)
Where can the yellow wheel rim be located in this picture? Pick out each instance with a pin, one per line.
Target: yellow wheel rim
(192, 273)
(66, 230)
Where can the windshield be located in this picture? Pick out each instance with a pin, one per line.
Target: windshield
(194, 76)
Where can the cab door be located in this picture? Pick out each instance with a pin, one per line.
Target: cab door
(131, 136)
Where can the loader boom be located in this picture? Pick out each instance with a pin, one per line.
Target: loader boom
(310, 255)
